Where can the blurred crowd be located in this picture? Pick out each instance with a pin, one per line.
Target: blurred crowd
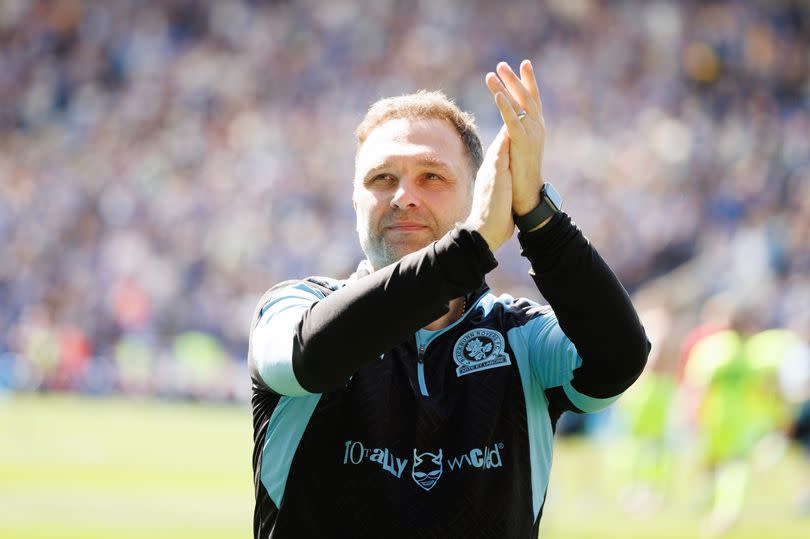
(162, 163)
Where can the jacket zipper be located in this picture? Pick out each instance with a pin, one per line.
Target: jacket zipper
(420, 371)
(420, 363)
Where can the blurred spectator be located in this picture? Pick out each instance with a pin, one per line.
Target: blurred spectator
(647, 408)
(161, 163)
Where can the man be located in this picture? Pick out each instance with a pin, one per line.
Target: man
(734, 372)
(407, 400)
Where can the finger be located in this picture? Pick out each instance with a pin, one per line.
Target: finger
(495, 85)
(517, 90)
(529, 80)
(513, 124)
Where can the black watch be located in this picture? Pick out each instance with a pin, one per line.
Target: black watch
(550, 205)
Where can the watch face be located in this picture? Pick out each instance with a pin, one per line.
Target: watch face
(553, 196)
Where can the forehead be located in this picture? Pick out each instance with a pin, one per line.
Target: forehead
(403, 139)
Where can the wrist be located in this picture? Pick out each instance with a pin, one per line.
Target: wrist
(478, 225)
(541, 225)
(488, 236)
(526, 204)
(548, 203)
(470, 235)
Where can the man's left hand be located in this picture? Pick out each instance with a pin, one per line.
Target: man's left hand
(527, 134)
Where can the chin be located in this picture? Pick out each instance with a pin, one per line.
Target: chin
(407, 247)
(384, 252)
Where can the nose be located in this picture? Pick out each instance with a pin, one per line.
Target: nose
(404, 196)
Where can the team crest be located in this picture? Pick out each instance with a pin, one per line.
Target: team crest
(478, 350)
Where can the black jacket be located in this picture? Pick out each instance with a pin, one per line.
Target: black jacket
(366, 425)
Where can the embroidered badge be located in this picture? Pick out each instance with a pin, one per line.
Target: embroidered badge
(478, 350)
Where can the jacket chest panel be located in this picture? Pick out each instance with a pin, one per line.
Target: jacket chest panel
(386, 403)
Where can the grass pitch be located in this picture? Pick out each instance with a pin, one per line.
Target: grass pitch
(78, 467)
(86, 468)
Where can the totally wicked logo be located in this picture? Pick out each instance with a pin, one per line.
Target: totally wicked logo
(427, 469)
(484, 458)
(427, 466)
(356, 453)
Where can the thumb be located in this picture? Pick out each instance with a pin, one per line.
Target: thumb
(501, 149)
(497, 142)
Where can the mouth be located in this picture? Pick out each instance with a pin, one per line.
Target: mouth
(406, 227)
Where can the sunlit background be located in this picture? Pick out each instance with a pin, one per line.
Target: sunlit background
(162, 163)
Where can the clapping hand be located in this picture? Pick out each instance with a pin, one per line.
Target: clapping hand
(518, 100)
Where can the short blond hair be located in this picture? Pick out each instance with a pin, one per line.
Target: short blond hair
(429, 105)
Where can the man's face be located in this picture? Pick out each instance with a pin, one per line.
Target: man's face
(412, 184)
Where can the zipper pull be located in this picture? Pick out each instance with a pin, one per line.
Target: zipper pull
(420, 371)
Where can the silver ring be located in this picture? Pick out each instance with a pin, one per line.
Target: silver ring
(521, 114)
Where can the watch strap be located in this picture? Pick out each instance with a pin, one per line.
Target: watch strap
(543, 211)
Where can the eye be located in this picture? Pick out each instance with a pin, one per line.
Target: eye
(430, 176)
(380, 179)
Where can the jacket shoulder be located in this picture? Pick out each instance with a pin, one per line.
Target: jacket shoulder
(510, 312)
(316, 284)
(320, 286)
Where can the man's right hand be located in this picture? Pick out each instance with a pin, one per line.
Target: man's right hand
(491, 213)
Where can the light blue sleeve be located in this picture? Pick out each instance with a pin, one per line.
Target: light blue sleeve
(272, 338)
(554, 359)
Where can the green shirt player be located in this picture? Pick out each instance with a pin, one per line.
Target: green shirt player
(740, 405)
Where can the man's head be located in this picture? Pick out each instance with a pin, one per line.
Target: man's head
(416, 160)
